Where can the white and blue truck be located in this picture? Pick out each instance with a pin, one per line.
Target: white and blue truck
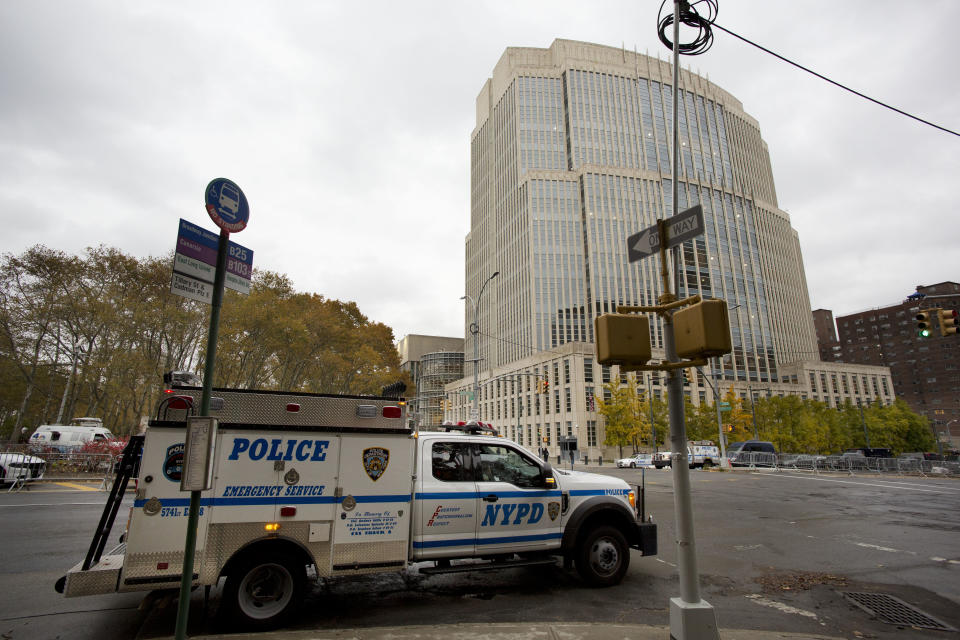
(344, 484)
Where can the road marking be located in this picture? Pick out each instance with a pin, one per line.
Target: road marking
(78, 486)
(785, 608)
(665, 562)
(868, 484)
(879, 548)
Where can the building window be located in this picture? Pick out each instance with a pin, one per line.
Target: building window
(566, 393)
(566, 372)
(588, 369)
(591, 433)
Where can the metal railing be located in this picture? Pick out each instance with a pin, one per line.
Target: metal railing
(844, 464)
(20, 466)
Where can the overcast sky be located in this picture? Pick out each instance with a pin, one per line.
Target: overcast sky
(348, 127)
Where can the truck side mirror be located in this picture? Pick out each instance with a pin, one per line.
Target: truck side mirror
(546, 474)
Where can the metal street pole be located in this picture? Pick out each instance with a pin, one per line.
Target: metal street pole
(715, 386)
(691, 618)
(475, 330)
(653, 424)
(753, 410)
(866, 436)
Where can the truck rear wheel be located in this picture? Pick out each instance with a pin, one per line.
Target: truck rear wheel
(264, 590)
(603, 557)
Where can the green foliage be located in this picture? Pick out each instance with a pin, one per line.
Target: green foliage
(793, 424)
(93, 335)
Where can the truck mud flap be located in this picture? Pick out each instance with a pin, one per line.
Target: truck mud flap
(648, 538)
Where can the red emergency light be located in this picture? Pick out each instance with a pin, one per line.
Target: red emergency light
(392, 412)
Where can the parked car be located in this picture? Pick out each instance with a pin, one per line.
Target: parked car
(870, 452)
(637, 460)
(758, 453)
(20, 466)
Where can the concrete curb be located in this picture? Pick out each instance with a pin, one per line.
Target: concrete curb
(509, 631)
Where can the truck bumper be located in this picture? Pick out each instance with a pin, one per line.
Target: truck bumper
(103, 577)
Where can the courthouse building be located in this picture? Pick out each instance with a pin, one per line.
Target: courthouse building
(571, 154)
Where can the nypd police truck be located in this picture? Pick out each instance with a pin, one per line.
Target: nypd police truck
(344, 485)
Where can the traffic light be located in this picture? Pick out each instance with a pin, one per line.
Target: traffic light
(948, 322)
(923, 324)
(546, 386)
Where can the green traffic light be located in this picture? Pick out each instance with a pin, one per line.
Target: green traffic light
(925, 333)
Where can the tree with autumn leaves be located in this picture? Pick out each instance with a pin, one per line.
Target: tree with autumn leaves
(93, 335)
(793, 424)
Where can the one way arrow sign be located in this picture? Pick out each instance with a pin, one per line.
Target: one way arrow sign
(683, 226)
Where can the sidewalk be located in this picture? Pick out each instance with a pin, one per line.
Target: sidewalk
(509, 631)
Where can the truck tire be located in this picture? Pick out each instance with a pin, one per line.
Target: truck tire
(603, 557)
(264, 590)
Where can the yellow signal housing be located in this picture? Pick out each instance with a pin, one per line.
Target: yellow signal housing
(702, 330)
(622, 338)
(948, 322)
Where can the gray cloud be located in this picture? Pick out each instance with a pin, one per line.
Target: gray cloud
(348, 127)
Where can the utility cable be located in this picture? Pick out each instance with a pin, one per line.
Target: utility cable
(833, 82)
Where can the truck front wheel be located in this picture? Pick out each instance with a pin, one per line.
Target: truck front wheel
(264, 590)
(603, 557)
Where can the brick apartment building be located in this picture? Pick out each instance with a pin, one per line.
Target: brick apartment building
(925, 370)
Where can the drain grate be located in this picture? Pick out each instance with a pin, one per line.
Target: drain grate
(893, 610)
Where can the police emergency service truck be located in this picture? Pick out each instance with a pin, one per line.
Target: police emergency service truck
(342, 483)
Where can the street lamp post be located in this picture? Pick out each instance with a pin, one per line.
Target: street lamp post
(715, 387)
(475, 330)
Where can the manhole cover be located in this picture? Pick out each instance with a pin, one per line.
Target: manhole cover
(893, 610)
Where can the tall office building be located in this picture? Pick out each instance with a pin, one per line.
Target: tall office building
(571, 154)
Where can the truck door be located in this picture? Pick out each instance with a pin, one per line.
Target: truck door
(372, 523)
(445, 510)
(516, 513)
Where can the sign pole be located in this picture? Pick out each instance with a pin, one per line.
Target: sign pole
(691, 618)
(186, 579)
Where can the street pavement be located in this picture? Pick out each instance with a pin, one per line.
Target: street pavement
(494, 631)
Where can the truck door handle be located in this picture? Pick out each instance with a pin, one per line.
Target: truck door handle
(491, 498)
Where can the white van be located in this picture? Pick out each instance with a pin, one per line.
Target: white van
(70, 436)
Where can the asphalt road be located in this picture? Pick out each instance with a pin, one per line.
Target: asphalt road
(774, 552)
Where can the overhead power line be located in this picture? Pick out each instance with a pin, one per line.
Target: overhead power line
(835, 83)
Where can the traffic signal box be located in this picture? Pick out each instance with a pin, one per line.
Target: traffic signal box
(702, 330)
(923, 324)
(622, 338)
(948, 322)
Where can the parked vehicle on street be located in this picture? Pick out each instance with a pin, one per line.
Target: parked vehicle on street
(68, 437)
(638, 460)
(345, 484)
(758, 453)
(20, 467)
(700, 453)
(870, 452)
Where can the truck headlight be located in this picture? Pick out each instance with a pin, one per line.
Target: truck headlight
(632, 497)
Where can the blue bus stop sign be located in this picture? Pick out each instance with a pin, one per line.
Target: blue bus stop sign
(227, 205)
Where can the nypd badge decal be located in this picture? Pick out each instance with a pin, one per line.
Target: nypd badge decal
(375, 461)
(173, 462)
(553, 510)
